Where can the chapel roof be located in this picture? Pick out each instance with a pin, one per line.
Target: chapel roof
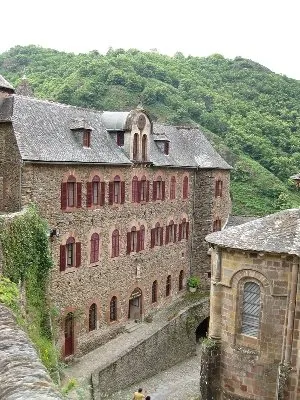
(43, 131)
(275, 233)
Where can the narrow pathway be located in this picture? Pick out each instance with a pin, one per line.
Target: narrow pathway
(180, 382)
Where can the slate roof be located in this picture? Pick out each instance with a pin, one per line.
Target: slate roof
(4, 84)
(276, 233)
(43, 131)
(188, 148)
(234, 220)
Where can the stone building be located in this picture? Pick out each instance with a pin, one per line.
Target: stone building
(255, 309)
(128, 201)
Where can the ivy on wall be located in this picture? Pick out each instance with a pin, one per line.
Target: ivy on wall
(27, 262)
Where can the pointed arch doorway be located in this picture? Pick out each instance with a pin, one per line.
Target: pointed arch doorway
(135, 304)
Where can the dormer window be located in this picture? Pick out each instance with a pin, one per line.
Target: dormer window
(86, 138)
(166, 148)
(120, 139)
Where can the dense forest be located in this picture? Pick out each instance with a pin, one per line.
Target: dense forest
(254, 114)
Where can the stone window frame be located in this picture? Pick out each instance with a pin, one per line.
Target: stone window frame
(237, 284)
(74, 246)
(71, 202)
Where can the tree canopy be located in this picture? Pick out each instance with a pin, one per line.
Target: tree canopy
(251, 110)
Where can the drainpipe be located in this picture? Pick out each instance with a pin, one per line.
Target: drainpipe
(215, 323)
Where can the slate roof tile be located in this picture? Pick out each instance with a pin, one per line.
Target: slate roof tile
(275, 233)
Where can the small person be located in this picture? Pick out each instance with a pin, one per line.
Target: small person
(138, 395)
(148, 398)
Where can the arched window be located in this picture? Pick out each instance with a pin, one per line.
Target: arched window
(144, 148)
(168, 286)
(144, 192)
(135, 146)
(115, 243)
(96, 190)
(180, 280)
(113, 312)
(185, 187)
(157, 235)
(251, 309)
(94, 256)
(183, 230)
(133, 244)
(142, 237)
(218, 188)
(135, 189)
(173, 188)
(171, 230)
(70, 247)
(154, 292)
(70, 254)
(71, 192)
(93, 317)
(71, 196)
(158, 189)
(217, 225)
(116, 191)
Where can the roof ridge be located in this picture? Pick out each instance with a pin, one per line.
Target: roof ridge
(35, 99)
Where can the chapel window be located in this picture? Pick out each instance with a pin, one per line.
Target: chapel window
(251, 309)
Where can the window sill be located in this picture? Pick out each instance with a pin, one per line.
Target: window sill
(93, 265)
(71, 209)
(69, 270)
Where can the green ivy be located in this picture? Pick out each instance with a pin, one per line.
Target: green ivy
(27, 262)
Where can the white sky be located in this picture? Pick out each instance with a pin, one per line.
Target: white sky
(266, 31)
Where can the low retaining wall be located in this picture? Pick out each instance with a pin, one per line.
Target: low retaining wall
(22, 375)
(173, 343)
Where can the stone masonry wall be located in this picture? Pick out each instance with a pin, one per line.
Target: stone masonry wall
(22, 374)
(249, 365)
(10, 168)
(76, 289)
(207, 208)
(173, 343)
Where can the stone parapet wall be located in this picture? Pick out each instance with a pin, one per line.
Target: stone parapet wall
(173, 343)
(22, 374)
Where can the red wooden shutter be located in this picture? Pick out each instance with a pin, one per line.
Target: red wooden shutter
(79, 194)
(139, 191)
(163, 190)
(63, 196)
(62, 258)
(154, 194)
(161, 236)
(152, 238)
(180, 232)
(102, 193)
(138, 238)
(175, 232)
(78, 254)
(147, 190)
(89, 194)
(187, 229)
(122, 192)
(167, 234)
(128, 242)
(111, 192)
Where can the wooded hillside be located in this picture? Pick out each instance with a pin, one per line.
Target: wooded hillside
(253, 112)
